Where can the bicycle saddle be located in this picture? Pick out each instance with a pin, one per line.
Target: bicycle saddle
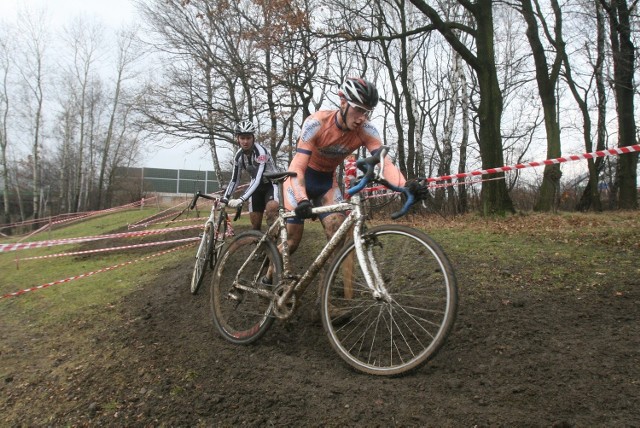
(279, 176)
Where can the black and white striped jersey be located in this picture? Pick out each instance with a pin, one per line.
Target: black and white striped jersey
(256, 164)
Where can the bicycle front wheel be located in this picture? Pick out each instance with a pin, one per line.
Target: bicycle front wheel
(401, 327)
(203, 254)
(241, 311)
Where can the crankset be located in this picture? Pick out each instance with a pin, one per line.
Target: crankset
(284, 311)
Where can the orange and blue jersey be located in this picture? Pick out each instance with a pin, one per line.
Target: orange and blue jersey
(322, 146)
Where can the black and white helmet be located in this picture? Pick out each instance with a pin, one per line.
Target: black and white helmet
(245, 127)
(359, 93)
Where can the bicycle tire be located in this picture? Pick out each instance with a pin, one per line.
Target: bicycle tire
(394, 335)
(202, 256)
(242, 316)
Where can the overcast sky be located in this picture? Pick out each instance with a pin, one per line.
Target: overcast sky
(113, 14)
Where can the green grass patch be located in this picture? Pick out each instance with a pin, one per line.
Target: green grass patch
(89, 294)
(577, 252)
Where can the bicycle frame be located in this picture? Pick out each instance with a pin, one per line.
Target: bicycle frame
(294, 285)
(290, 282)
(378, 325)
(214, 221)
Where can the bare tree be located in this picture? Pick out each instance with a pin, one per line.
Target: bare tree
(5, 64)
(33, 47)
(464, 140)
(495, 198)
(125, 58)
(66, 131)
(547, 76)
(590, 198)
(126, 143)
(623, 48)
(83, 38)
(280, 69)
(195, 99)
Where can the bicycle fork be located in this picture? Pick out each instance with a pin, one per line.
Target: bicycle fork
(364, 252)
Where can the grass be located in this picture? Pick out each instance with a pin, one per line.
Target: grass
(577, 252)
(88, 295)
(567, 251)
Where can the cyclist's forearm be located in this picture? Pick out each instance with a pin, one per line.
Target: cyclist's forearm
(253, 185)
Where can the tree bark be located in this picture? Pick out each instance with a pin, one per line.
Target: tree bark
(547, 78)
(623, 69)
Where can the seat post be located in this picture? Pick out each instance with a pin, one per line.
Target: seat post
(281, 195)
(278, 178)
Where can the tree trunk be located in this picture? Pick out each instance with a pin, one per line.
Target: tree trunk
(547, 79)
(107, 143)
(403, 163)
(590, 198)
(495, 197)
(462, 162)
(36, 186)
(623, 68)
(6, 217)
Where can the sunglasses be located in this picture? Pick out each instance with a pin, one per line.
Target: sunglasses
(361, 110)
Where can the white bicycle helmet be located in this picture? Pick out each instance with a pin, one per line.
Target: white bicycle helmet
(359, 93)
(245, 127)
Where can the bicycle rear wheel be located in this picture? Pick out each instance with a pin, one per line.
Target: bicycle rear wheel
(403, 328)
(203, 255)
(240, 312)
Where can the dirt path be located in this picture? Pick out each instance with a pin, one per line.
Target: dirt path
(522, 357)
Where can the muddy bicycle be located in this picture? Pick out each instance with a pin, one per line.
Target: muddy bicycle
(216, 229)
(389, 295)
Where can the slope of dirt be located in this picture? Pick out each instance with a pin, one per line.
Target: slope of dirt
(517, 357)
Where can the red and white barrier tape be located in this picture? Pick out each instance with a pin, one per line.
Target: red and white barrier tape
(61, 218)
(462, 183)
(40, 244)
(155, 219)
(84, 275)
(592, 155)
(430, 186)
(148, 220)
(104, 250)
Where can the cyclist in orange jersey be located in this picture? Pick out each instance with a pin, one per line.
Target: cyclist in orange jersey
(326, 139)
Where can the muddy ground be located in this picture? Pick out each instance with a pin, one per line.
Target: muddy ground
(518, 356)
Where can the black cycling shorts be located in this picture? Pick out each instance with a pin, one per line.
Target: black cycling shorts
(264, 193)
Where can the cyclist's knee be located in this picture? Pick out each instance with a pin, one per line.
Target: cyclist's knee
(256, 220)
(332, 223)
(294, 232)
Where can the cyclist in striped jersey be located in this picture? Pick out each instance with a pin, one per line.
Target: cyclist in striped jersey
(255, 160)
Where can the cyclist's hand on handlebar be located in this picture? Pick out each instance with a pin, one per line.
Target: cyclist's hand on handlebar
(303, 210)
(235, 203)
(418, 188)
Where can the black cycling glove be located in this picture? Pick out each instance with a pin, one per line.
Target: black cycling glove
(417, 188)
(303, 210)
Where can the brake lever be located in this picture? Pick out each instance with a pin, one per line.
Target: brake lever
(238, 212)
(192, 205)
